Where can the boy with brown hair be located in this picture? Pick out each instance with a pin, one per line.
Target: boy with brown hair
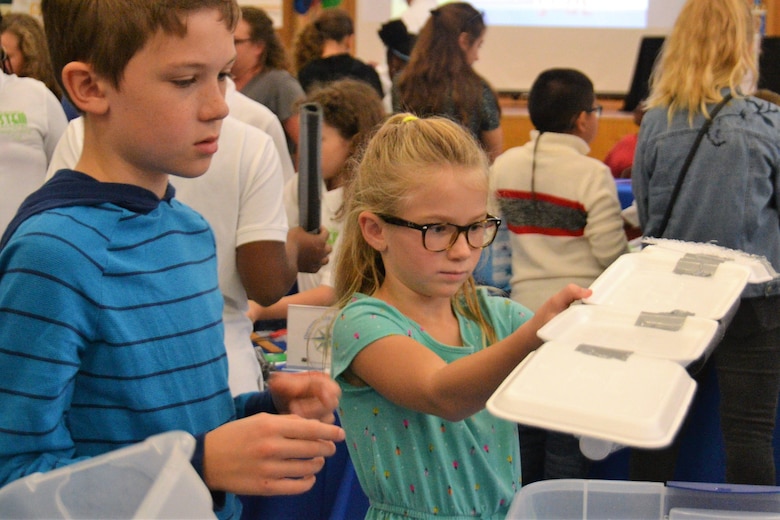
(109, 303)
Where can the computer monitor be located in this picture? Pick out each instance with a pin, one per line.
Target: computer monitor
(769, 64)
(649, 48)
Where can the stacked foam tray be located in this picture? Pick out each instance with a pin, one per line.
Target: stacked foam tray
(614, 368)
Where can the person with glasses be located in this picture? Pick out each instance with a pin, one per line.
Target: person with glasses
(262, 70)
(417, 348)
(563, 214)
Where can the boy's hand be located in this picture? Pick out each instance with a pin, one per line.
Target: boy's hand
(312, 395)
(268, 454)
(311, 250)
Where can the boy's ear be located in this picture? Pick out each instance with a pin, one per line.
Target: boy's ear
(373, 229)
(85, 88)
(580, 124)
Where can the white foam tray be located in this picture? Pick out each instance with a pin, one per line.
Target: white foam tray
(616, 329)
(647, 282)
(761, 269)
(633, 400)
(599, 375)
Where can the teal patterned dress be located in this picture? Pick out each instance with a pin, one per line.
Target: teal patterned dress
(415, 465)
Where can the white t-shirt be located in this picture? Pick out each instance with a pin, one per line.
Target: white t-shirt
(330, 204)
(31, 122)
(260, 116)
(240, 195)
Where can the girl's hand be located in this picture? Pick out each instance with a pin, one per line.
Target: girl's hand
(558, 303)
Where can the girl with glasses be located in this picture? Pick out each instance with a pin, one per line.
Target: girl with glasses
(417, 348)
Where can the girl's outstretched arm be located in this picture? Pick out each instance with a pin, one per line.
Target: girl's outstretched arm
(411, 375)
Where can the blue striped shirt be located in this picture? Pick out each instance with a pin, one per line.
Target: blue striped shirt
(110, 331)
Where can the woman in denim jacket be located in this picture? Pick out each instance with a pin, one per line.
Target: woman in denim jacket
(730, 196)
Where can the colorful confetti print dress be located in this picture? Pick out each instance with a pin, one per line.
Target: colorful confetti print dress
(415, 465)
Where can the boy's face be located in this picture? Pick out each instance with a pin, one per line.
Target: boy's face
(591, 126)
(167, 113)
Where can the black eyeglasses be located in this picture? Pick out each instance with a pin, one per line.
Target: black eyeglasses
(442, 236)
(596, 108)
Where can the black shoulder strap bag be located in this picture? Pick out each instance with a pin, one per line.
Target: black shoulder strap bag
(688, 161)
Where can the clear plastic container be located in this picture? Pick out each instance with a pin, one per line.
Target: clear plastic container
(684, 513)
(614, 499)
(151, 479)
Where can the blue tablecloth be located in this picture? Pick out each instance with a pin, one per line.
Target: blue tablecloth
(336, 495)
(702, 457)
(625, 195)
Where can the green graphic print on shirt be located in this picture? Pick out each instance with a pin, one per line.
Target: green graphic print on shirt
(14, 124)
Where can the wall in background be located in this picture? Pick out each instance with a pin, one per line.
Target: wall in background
(506, 65)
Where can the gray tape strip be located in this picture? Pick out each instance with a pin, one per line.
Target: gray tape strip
(672, 321)
(602, 352)
(694, 264)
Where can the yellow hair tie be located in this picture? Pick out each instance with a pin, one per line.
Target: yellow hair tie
(409, 118)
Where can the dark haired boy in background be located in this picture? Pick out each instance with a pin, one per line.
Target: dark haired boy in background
(563, 214)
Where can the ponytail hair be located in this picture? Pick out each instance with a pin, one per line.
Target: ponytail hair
(331, 24)
(438, 79)
(404, 154)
